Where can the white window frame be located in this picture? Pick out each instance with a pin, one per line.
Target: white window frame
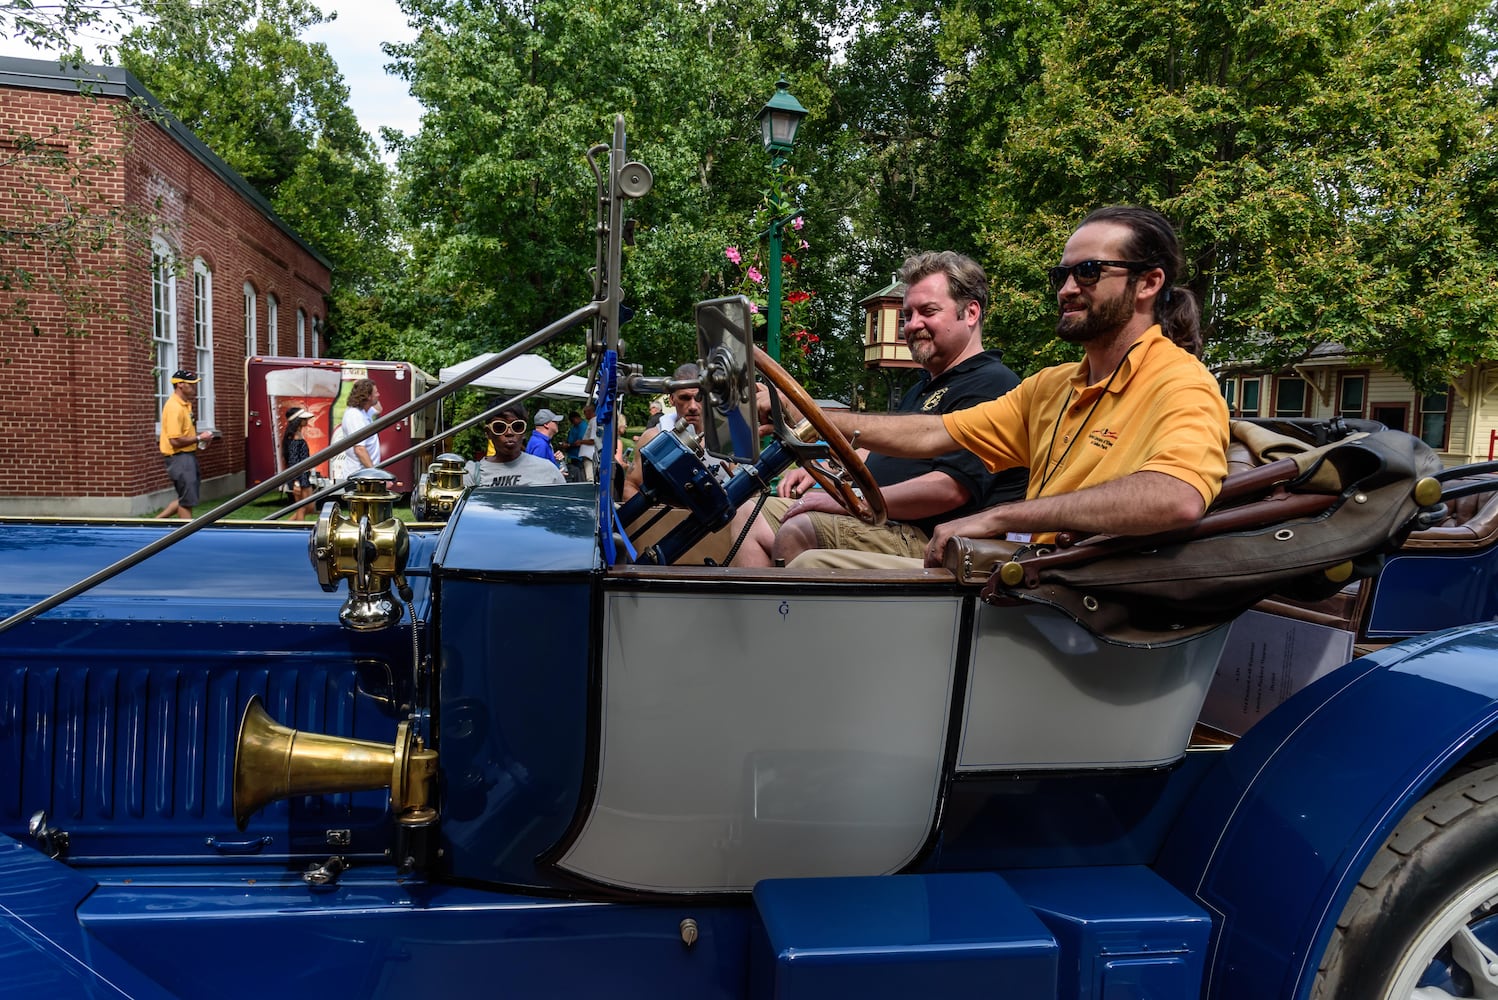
(272, 322)
(202, 338)
(163, 320)
(251, 344)
(301, 333)
(316, 337)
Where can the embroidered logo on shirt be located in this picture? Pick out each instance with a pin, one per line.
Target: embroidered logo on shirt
(1102, 438)
(934, 400)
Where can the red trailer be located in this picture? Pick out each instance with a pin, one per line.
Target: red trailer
(275, 387)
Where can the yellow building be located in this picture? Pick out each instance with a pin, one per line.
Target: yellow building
(1459, 421)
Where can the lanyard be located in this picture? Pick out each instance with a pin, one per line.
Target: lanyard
(1081, 428)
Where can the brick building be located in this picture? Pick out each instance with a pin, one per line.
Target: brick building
(206, 276)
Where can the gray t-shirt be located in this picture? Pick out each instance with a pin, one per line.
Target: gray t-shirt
(527, 470)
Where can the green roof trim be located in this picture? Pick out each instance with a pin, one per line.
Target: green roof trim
(894, 290)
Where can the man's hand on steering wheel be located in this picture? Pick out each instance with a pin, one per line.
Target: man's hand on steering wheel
(842, 474)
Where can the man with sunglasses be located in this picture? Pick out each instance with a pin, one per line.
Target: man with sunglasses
(1131, 440)
(511, 464)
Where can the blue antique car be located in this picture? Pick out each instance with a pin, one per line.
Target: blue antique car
(535, 749)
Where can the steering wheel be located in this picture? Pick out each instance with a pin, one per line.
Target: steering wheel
(844, 476)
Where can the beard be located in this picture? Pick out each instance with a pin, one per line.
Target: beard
(922, 350)
(1102, 317)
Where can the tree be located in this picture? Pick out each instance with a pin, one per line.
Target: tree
(55, 27)
(1319, 160)
(919, 94)
(59, 234)
(501, 203)
(276, 109)
(499, 199)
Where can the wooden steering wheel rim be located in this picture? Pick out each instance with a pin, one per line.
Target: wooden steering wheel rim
(868, 503)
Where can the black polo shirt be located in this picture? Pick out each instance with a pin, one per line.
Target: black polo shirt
(977, 380)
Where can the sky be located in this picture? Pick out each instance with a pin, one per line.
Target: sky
(353, 40)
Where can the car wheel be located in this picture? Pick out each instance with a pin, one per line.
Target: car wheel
(1422, 923)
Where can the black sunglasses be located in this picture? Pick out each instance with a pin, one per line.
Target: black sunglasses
(1087, 272)
(497, 426)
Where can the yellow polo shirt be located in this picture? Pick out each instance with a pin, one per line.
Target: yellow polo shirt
(1161, 412)
(176, 421)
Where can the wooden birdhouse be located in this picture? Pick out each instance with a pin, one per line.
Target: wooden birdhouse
(884, 328)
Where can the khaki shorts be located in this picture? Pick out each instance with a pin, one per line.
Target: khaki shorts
(844, 559)
(842, 531)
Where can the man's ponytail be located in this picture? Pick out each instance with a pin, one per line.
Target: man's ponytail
(1154, 241)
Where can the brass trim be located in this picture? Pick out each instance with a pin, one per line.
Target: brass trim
(273, 761)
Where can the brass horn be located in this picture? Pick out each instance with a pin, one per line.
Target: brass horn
(272, 761)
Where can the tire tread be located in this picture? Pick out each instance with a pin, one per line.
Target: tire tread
(1445, 806)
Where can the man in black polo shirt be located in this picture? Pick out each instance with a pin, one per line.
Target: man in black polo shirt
(946, 295)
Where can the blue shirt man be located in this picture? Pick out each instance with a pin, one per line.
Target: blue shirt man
(539, 445)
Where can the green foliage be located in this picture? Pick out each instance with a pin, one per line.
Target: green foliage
(55, 26)
(499, 202)
(60, 235)
(500, 205)
(275, 108)
(1317, 159)
(1331, 167)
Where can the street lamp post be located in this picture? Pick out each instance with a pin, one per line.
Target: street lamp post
(778, 119)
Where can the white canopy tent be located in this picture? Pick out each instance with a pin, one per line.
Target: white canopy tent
(518, 375)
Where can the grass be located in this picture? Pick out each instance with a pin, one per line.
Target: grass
(272, 502)
(257, 511)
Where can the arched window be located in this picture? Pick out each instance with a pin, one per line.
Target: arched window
(251, 345)
(163, 319)
(202, 338)
(301, 333)
(271, 324)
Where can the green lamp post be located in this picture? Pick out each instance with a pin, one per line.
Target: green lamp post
(778, 120)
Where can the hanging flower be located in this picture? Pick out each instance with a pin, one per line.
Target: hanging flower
(749, 273)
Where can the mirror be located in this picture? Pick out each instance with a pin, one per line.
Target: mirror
(730, 420)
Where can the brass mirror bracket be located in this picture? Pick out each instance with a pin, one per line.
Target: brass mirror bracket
(360, 539)
(440, 488)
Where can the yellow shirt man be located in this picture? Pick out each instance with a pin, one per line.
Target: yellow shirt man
(1161, 411)
(176, 422)
(179, 443)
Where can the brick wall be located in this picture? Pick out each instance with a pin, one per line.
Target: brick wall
(78, 412)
